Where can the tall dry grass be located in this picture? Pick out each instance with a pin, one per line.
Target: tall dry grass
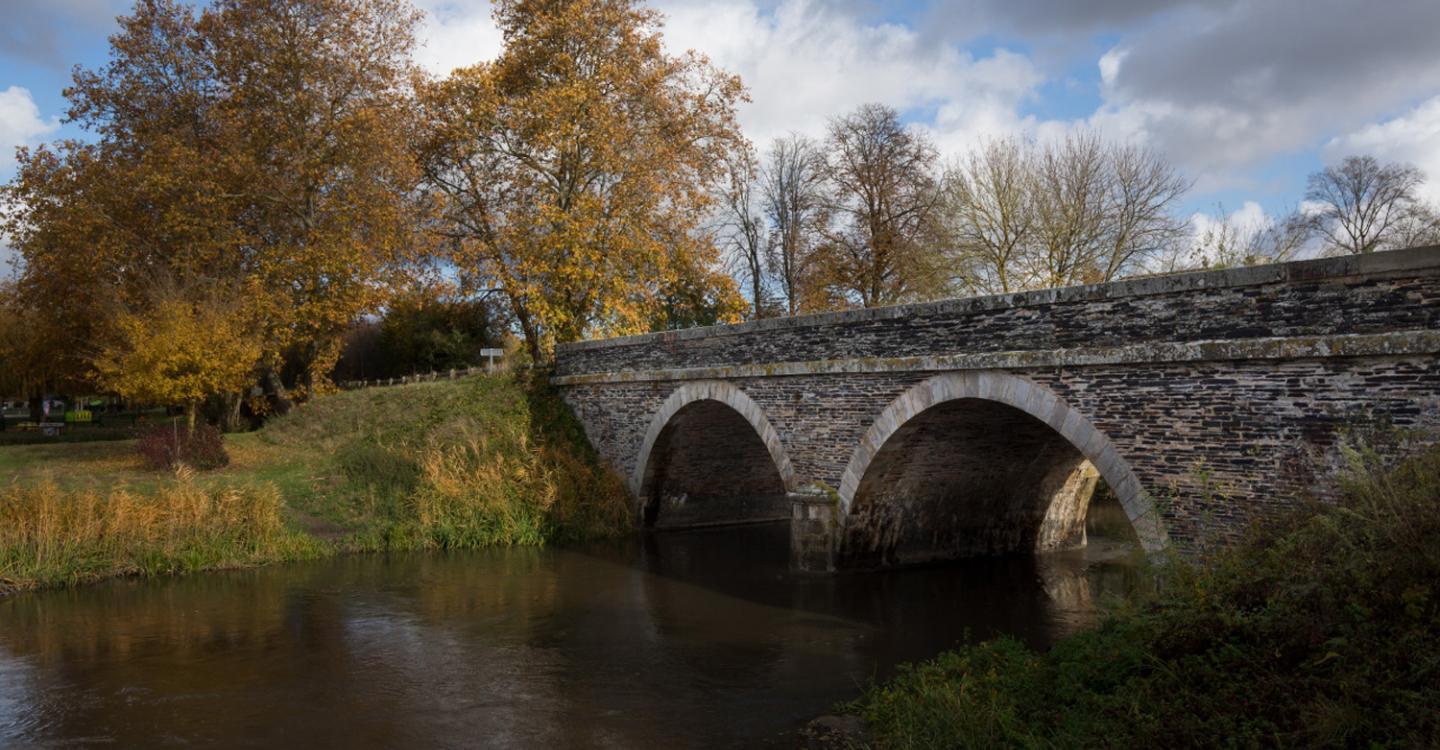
(50, 536)
(477, 489)
(457, 465)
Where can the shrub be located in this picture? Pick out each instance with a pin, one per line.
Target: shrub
(1319, 631)
(170, 446)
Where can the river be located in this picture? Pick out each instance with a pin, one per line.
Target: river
(693, 639)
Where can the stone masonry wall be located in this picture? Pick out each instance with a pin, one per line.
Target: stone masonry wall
(1215, 444)
(1226, 395)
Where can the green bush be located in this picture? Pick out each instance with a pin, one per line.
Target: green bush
(1321, 630)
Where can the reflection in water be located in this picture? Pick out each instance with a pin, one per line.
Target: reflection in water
(696, 639)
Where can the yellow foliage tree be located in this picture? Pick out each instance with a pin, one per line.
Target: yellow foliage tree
(576, 169)
(260, 142)
(186, 345)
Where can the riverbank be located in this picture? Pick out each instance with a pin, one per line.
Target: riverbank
(1319, 631)
(470, 463)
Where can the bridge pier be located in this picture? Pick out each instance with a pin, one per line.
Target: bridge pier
(814, 530)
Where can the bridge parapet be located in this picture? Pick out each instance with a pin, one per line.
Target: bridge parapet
(1361, 304)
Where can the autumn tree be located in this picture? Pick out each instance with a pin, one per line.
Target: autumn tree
(1068, 193)
(1362, 203)
(1101, 209)
(1419, 227)
(578, 169)
(183, 344)
(434, 328)
(26, 367)
(259, 142)
(882, 246)
(697, 293)
(793, 195)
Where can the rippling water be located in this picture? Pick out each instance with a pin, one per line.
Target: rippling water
(697, 639)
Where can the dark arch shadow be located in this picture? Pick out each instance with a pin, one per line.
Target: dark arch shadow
(977, 463)
(713, 460)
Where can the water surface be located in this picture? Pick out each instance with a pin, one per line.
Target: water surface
(695, 639)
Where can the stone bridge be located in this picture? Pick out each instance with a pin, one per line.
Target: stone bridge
(974, 426)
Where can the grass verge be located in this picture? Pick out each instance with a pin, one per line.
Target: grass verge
(1319, 631)
(495, 460)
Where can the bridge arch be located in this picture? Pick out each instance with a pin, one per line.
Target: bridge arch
(987, 394)
(724, 436)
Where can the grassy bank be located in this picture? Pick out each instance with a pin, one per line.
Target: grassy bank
(457, 464)
(1320, 631)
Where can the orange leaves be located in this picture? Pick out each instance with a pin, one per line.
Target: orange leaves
(259, 143)
(577, 165)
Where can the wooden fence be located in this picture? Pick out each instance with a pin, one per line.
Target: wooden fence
(428, 377)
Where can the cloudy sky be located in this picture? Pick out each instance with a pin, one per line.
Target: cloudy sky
(1247, 98)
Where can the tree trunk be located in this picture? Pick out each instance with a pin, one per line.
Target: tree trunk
(283, 402)
(230, 414)
(37, 408)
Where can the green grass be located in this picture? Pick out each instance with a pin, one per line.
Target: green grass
(484, 461)
(1319, 631)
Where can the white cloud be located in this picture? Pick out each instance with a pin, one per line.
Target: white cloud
(1220, 88)
(1225, 87)
(1248, 219)
(456, 33)
(804, 62)
(1413, 137)
(1109, 65)
(20, 125)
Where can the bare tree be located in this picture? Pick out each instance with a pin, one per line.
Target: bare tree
(1070, 194)
(1140, 220)
(989, 216)
(884, 196)
(1418, 227)
(793, 196)
(1362, 202)
(1078, 211)
(743, 228)
(1227, 243)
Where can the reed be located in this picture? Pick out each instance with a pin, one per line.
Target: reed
(51, 536)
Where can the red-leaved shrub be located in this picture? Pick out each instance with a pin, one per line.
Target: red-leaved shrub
(169, 446)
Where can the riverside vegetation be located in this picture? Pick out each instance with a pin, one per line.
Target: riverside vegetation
(1319, 631)
(494, 460)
